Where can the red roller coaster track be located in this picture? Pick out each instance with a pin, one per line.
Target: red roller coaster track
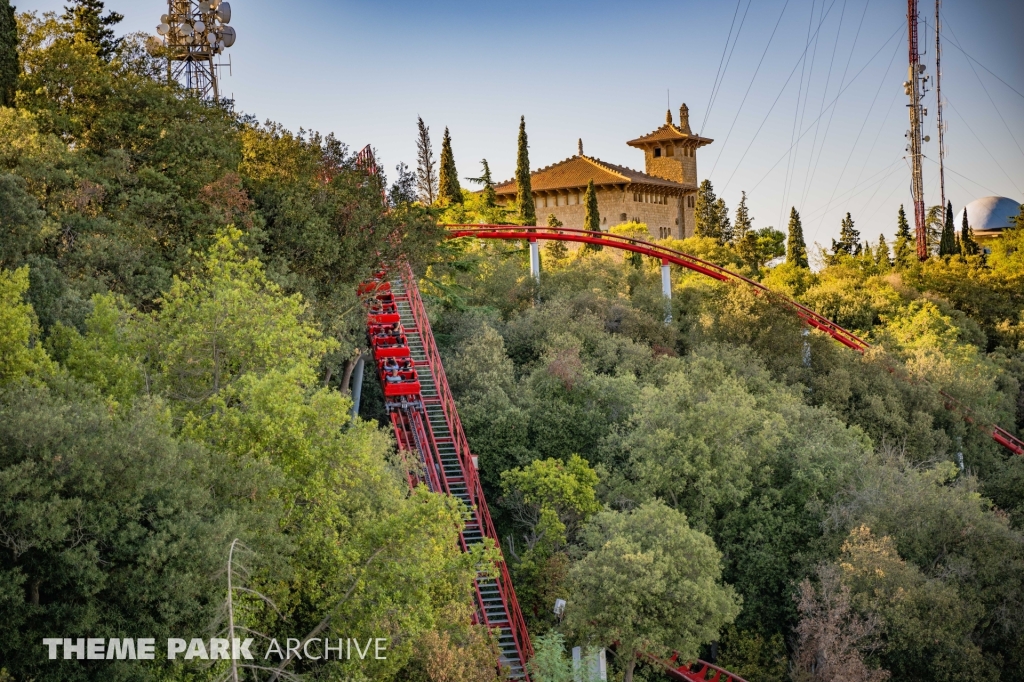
(667, 255)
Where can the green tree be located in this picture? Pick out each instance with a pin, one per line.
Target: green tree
(724, 223)
(21, 355)
(905, 248)
(849, 239)
(449, 191)
(969, 245)
(90, 24)
(882, 257)
(555, 249)
(549, 663)
(592, 219)
(649, 583)
(796, 248)
(426, 173)
(744, 221)
(947, 243)
(10, 66)
(706, 212)
(489, 197)
(524, 191)
(21, 221)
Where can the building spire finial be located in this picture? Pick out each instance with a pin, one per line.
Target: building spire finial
(684, 119)
(668, 117)
(579, 142)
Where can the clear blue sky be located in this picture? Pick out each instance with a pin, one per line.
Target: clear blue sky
(600, 71)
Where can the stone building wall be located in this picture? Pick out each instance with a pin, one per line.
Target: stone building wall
(659, 212)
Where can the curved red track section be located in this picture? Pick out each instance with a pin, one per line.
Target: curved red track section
(667, 255)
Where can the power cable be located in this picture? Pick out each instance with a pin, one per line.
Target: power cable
(863, 124)
(791, 161)
(881, 127)
(772, 108)
(994, 105)
(714, 87)
(821, 107)
(993, 73)
(994, 159)
(721, 148)
(846, 69)
(990, 191)
(830, 105)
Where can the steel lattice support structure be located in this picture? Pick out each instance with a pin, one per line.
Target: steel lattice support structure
(914, 87)
(195, 32)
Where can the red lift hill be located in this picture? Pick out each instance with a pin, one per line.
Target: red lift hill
(430, 435)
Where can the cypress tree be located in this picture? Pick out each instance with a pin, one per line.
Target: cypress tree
(744, 221)
(905, 247)
(524, 191)
(449, 191)
(947, 244)
(87, 20)
(849, 239)
(426, 176)
(705, 213)
(882, 258)
(9, 66)
(592, 221)
(968, 246)
(724, 224)
(488, 194)
(796, 248)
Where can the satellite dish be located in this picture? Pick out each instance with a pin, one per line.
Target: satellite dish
(224, 13)
(165, 19)
(227, 35)
(186, 30)
(211, 38)
(200, 27)
(205, 6)
(163, 29)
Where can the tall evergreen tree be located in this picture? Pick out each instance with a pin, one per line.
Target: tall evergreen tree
(488, 194)
(849, 239)
(705, 212)
(426, 174)
(744, 221)
(89, 22)
(449, 191)
(796, 248)
(592, 221)
(905, 249)
(524, 191)
(554, 248)
(947, 243)
(882, 257)
(724, 223)
(968, 246)
(9, 65)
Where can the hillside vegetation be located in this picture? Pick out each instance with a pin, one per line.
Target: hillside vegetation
(178, 329)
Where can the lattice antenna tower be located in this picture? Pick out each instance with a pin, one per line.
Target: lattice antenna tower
(940, 124)
(915, 87)
(194, 34)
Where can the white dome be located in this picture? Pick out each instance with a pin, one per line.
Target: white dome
(988, 214)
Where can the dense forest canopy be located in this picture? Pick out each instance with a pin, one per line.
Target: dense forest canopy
(178, 327)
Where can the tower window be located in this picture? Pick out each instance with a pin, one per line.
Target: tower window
(670, 150)
(657, 152)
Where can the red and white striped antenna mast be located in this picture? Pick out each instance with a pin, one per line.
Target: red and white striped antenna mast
(938, 104)
(914, 87)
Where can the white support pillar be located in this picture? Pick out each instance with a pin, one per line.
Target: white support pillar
(535, 260)
(666, 289)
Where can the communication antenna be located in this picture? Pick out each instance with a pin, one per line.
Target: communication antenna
(914, 86)
(194, 32)
(938, 105)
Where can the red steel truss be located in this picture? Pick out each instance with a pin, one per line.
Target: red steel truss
(433, 443)
(813, 319)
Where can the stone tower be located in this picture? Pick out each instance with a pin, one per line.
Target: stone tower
(670, 152)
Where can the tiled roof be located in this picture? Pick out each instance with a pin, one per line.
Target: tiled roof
(669, 132)
(577, 171)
